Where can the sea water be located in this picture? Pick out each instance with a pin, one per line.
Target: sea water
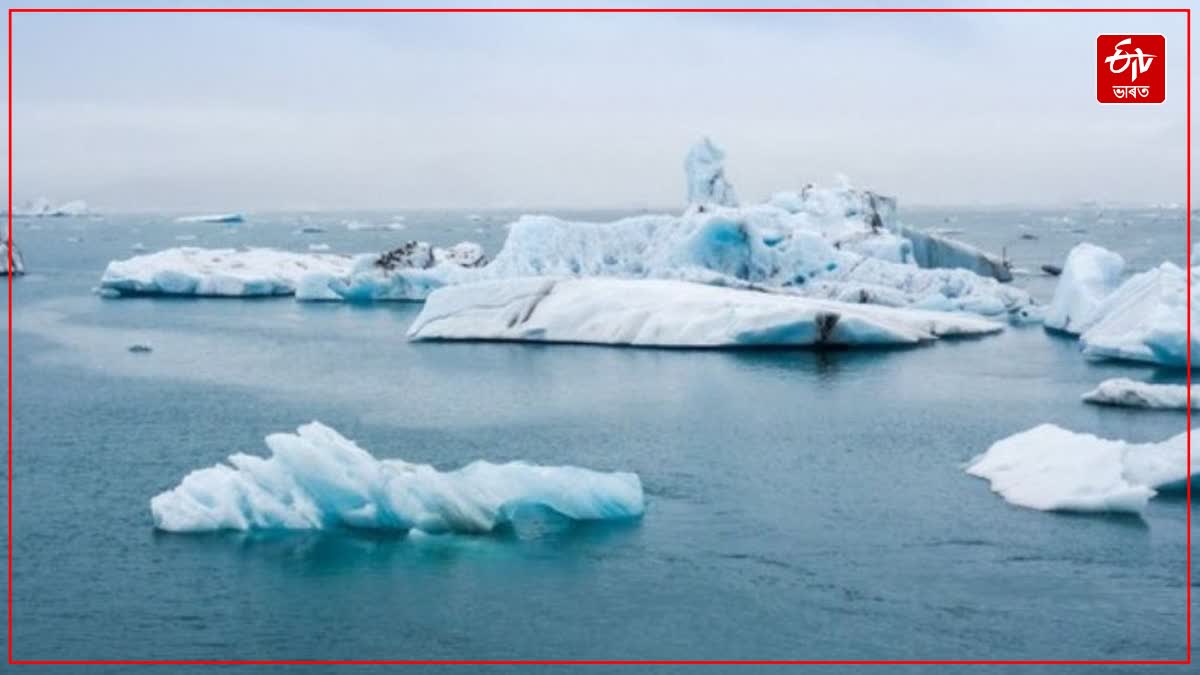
(799, 504)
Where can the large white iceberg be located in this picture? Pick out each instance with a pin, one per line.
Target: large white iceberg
(1122, 391)
(1051, 469)
(705, 170)
(1088, 276)
(665, 313)
(316, 479)
(18, 263)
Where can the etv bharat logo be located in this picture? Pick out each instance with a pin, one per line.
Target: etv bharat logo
(1131, 69)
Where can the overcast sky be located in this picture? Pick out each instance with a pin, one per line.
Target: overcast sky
(317, 111)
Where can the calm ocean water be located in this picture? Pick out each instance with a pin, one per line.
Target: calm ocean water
(799, 504)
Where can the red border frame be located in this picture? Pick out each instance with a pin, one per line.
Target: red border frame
(1185, 11)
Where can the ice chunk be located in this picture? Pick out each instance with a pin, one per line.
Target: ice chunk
(665, 313)
(1123, 391)
(409, 272)
(18, 263)
(706, 182)
(1145, 319)
(44, 208)
(212, 218)
(316, 479)
(1052, 469)
(359, 226)
(217, 272)
(1089, 275)
(936, 251)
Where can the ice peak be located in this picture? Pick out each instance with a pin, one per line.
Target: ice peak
(706, 182)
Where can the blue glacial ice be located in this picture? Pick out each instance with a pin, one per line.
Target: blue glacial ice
(1052, 469)
(317, 479)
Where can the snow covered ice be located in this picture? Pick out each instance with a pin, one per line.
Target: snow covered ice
(217, 272)
(1089, 275)
(666, 313)
(310, 276)
(317, 479)
(1122, 391)
(1052, 469)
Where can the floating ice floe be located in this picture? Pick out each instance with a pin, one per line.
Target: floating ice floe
(212, 218)
(316, 479)
(1051, 469)
(310, 276)
(18, 263)
(1144, 318)
(665, 313)
(1123, 391)
(217, 272)
(359, 226)
(44, 208)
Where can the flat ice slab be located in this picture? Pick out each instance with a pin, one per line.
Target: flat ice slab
(212, 218)
(218, 272)
(664, 313)
(1051, 469)
(1123, 391)
(317, 479)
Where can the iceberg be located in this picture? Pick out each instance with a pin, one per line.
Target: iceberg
(1123, 391)
(706, 182)
(44, 208)
(217, 272)
(665, 313)
(1088, 276)
(18, 263)
(409, 272)
(317, 479)
(1145, 319)
(764, 247)
(932, 250)
(212, 218)
(1051, 469)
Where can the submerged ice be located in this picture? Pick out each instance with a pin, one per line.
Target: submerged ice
(1052, 469)
(317, 479)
